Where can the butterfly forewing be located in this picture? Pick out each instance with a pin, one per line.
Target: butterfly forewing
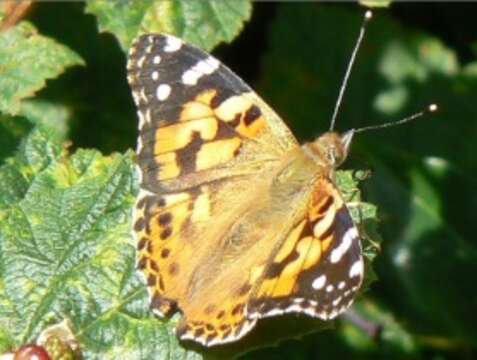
(194, 113)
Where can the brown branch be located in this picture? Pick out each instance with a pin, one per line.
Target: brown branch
(14, 11)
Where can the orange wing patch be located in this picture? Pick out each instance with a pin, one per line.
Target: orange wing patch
(195, 115)
(298, 278)
(158, 222)
(217, 321)
(205, 137)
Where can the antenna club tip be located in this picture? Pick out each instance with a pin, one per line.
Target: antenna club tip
(368, 15)
(433, 108)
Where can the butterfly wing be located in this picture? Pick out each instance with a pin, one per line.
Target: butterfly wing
(228, 201)
(299, 252)
(204, 138)
(226, 281)
(196, 116)
(318, 268)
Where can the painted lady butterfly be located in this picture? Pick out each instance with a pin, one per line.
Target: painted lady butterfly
(235, 221)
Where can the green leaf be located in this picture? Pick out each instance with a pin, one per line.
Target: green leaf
(27, 60)
(204, 23)
(375, 3)
(92, 103)
(67, 252)
(121, 18)
(48, 114)
(12, 129)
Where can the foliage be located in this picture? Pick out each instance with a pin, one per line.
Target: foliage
(67, 180)
(203, 23)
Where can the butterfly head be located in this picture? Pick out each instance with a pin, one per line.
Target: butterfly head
(331, 148)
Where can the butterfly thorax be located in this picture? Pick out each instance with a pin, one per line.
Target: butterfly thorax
(330, 149)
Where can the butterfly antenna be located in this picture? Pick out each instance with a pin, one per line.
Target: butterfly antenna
(367, 16)
(430, 109)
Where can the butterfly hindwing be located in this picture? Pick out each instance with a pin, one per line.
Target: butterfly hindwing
(275, 250)
(319, 267)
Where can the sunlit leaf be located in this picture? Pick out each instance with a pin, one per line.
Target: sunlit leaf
(27, 60)
(204, 23)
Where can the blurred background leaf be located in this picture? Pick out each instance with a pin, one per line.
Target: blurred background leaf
(423, 174)
(375, 3)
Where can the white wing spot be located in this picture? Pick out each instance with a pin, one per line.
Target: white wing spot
(190, 77)
(273, 312)
(337, 300)
(155, 75)
(203, 67)
(142, 95)
(156, 59)
(141, 119)
(136, 96)
(356, 269)
(139, 145)
(332, 314)
(312, 312)
(139, 178)
(319, 282)
(162, 92)
(173, 44)
(330, 288)
(147, 116)
(294, 308)
(341, 285)
(140, 62)
(158, 313)
(342, 248)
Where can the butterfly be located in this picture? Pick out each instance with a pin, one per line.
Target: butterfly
(234, 220)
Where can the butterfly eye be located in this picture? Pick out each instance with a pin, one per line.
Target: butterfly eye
(331, 155)
(335, 156)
